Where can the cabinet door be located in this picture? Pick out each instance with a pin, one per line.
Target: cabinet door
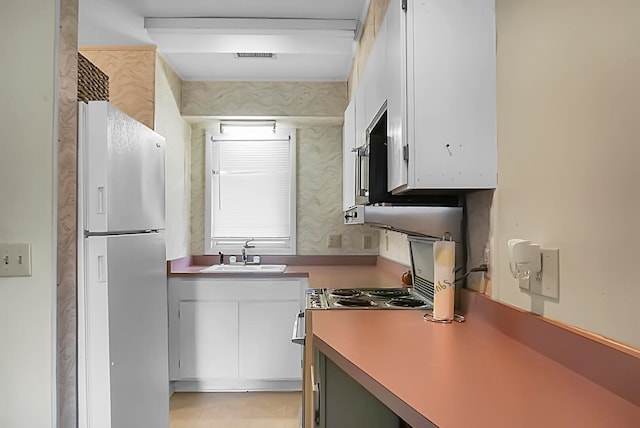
(208, 340)
(397, 167)
(346, 403)
(349, 157)
(451, 108)
(361, 119)
(376, 86)
(266, 350)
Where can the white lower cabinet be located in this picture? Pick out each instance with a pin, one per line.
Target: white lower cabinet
(208, 337)
(266, 350)
(232, 334)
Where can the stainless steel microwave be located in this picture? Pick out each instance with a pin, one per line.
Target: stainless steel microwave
(371, 173)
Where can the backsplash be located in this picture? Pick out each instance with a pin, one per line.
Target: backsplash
(319, 193)
(394, 246)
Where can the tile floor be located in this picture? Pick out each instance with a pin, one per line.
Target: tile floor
(234, 410)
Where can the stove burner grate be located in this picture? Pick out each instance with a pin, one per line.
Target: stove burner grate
(345, 292)
(407, 302)
(388, 293)
(355, 302)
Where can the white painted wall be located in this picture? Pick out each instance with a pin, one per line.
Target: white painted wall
(28, 33)
(568, 153)
(177, 133)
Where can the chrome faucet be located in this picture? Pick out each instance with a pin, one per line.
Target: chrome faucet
(244, 250)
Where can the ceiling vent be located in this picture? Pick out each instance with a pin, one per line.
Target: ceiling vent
(267, 55)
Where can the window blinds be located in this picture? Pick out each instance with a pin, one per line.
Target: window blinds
(251, 186)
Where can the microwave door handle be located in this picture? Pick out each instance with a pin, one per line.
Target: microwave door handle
(361, 152)
(357, 151)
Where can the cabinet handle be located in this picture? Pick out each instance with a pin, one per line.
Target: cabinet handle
(315, 388)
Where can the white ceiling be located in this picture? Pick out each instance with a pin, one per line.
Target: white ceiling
(206, 55)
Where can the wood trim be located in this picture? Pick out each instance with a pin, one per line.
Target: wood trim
(612, 365)
(65, 356)
(117, 48)
(308, 364)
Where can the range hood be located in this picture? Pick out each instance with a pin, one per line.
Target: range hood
(426, 221)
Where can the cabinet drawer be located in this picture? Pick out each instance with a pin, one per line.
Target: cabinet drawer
(237, 289)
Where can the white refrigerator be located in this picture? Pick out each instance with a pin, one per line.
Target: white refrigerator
(123, 378)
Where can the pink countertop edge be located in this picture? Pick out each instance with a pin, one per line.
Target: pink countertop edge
(322, 271)
(462, 375)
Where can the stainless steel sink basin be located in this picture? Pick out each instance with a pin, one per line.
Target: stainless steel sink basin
(245, 268)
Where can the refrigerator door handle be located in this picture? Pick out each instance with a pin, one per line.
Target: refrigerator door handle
(102, 270)
(100, 200)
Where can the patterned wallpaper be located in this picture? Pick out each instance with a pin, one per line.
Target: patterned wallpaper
(315, 99)
(173, 81)
(66, 361)
(131, 72)
(319, 193)
(197, 186)
(372, 23)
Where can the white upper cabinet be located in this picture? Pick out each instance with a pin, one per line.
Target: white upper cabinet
(397, 166)
(361, 117)
(441, 58)
(376, 84)
(348, 156)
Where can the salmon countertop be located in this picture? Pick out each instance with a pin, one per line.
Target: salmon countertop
(462, 375)
(377, 272)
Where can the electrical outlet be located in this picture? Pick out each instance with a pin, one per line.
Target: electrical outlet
(334, 241)
(367, 242)
(547, 281)
(15, 260)
(486, 259)
(386, 241)
(486, 254)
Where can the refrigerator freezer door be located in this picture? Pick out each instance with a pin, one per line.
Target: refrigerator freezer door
(122, 171)
(129, 272)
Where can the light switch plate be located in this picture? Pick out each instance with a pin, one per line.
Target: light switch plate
(547, 281)
(15, 260)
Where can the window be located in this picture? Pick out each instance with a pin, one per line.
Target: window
(250, 190)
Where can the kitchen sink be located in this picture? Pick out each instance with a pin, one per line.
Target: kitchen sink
(239, 268)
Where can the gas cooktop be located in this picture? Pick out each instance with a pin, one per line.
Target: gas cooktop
(366, 298)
